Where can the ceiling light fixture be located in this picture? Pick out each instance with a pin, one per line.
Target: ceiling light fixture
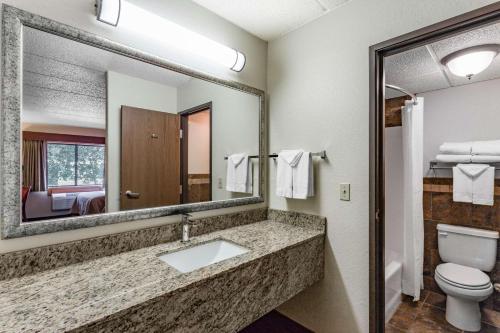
(167, 33)
(471, 61)
(108, 11)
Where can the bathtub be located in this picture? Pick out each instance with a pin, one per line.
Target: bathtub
(393, 273)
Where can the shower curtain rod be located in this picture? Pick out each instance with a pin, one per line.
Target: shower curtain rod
(404, 91)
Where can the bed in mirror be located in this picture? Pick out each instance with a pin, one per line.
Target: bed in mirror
(106, 129)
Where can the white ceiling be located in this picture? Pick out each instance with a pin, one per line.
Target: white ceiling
(270, 19)
(419, 70)
(64, 82)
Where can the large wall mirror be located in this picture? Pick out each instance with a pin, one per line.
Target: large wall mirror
(105, 133)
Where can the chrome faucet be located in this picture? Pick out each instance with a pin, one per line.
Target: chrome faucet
(186, 222)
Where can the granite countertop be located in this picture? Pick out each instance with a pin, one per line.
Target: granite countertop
(69, 297)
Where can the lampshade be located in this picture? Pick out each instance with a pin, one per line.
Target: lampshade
(108, 11)
(471, 61)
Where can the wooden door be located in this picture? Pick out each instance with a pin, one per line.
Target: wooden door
(150, 158)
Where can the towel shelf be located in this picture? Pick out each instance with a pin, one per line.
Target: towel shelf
(320, 154)
(436, 165)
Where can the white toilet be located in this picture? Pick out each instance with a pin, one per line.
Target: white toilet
(467, 253)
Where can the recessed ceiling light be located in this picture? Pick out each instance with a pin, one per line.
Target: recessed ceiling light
(471, 61)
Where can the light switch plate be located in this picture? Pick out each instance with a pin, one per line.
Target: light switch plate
(219, 184)
(345, 192)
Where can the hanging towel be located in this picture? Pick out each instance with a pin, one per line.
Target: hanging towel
(486, 148)
(287, 160)
(454, 158)
(456, 148)
(474, 183)
(303, 179)
(239, 174)
(485, 159)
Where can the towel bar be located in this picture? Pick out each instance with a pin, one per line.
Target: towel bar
(321, 154)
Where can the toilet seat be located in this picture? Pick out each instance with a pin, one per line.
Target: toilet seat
(463, 276)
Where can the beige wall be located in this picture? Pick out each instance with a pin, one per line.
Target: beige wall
(61, 129)
(81, 14)
(235, 127)
(199, 143)
(318, 86)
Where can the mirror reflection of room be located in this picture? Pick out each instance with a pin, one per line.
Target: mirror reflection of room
(442, 182)
(106, 133)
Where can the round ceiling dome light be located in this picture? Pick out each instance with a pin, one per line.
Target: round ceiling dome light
(471, 61)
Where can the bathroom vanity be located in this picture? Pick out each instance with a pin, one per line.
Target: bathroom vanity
(136, 291)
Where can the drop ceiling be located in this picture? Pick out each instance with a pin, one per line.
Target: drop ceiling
(270, 19)
(64, 81)
(419, 70)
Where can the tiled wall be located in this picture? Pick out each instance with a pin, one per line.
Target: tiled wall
(199, 187)
(440, 208)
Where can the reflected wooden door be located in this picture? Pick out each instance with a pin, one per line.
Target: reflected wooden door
(150, 158)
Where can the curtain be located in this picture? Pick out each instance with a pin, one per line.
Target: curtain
(413, 119)
(35, 165)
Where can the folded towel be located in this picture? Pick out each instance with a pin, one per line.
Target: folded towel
(486, 147)
(239, 174)
(474, 183)
(456, 148)
(303, 179)
(287, 159)
(454, 158)
(485, 159)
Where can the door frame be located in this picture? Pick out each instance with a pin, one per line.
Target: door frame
(445, 29)
(184, 148)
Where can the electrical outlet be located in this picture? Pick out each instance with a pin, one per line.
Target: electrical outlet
(345, 192)
(219, 184)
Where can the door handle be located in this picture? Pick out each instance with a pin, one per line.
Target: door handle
(132, 195)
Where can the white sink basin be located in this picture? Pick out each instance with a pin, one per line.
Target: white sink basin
(202, 255)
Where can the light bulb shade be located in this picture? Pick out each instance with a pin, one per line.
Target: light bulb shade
(240, 62)
(471, 61)
(169, 34)
(108, 11)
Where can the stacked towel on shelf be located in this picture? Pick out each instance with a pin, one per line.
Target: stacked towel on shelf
(295, 177)
(239, 174)
(470, 152)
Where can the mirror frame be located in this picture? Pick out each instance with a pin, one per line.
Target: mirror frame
(13, 20)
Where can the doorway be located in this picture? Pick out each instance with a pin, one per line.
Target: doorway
(378, 122)
(196, 153)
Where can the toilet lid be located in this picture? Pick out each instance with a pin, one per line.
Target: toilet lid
(463, 275)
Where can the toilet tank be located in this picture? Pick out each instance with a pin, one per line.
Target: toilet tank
(468, 246)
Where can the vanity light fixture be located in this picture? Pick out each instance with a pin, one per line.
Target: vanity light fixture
(167, 33)
(108, 11)
(471, 61)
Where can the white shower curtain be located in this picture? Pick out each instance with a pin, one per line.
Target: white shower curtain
(413, 264)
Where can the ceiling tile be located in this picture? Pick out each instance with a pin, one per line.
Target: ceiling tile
(486, 35)
(410, 66)
(269, 19)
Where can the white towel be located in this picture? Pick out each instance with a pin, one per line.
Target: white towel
(485, 159)
(486, 147)
(239, 174)
(456, 148)
(303, 178)
(295, 178)
(287, 159)
(454, 158)
(474, 183)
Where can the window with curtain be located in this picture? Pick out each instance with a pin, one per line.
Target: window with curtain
(75, 164)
